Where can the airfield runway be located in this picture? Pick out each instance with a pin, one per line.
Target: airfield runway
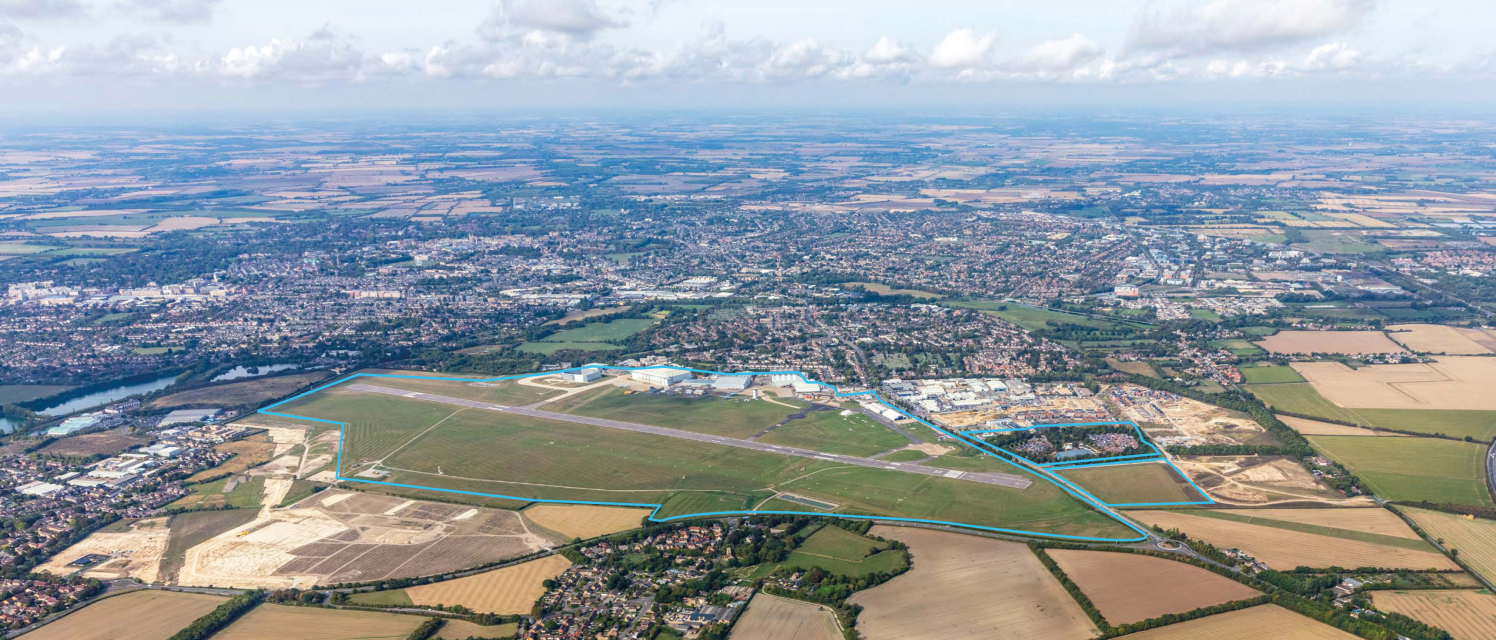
(986, 477)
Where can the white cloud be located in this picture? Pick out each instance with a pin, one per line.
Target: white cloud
(172, 11)
(887, 51)
(963, 49)
(1242, 25)
(35, 61)
(1334, 56)
(1058, 56)
(323, 58)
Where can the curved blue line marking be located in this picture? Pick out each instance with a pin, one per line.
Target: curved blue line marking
(1074, 491)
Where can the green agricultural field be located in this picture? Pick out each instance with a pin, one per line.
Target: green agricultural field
(1133, 484)
(840, 551)
(1205, 314)
(548, 348)
(1302, 399)
(246, 494)
(1270, 375)
(21, 248)
(1034, 319)
(1413, 469)
(386, 598)
(1237, 347)
(830, 431)
(1480, 425)
(602, 331)
(456, 448)
(885, 290)
(732, 417)
(836, 542)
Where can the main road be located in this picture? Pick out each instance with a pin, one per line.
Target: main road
(985, 477)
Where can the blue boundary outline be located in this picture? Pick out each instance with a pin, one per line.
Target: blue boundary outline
(1075, 491)
(1156, 456)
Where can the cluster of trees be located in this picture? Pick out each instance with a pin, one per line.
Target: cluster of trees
(226, 613)
(1058, 436)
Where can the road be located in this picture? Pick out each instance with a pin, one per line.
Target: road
(1001, 479)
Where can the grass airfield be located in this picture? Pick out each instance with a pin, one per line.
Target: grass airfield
(430, 445)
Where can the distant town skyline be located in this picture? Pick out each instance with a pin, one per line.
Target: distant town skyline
(103, 55)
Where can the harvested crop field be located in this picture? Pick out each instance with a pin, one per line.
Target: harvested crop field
(949, 593)
(1128, 587)
(1316, 428)
(772, 618)
(510, 590)
(585, 521)
(462, 629)
(1259, 481)
(135, 551)
(89, 444)
(1255, 623)
(240, 394)
(1475, 538)
(1439, 339)
(1366, 520)
(1456, 382)
(1285, 549)
(1342, 342)
(138, 615)
(1466, 614)
(282, 622)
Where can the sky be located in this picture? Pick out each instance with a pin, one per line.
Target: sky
(63, 56)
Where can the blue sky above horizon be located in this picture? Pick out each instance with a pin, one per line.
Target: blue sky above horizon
(103, 55)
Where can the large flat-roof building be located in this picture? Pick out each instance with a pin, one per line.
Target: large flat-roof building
(582, 375)
(661, 377)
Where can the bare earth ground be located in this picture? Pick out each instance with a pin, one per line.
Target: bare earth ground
(1190, 422)
(1284, 549)
(771, 618)
(1316, 428)
(136, 553)
(1259, 481)
(1346, 342)
(340, 536)
(284, 622)
(1127, 588)
(141, 615)
(585, 521)
(964, 586)
(510, 590)
(1465, 614)
(1256, 623)
(1441, 339)
(1455, 382)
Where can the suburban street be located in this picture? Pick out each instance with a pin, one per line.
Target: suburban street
(1001, 479)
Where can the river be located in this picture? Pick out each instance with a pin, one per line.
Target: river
(97, 399)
